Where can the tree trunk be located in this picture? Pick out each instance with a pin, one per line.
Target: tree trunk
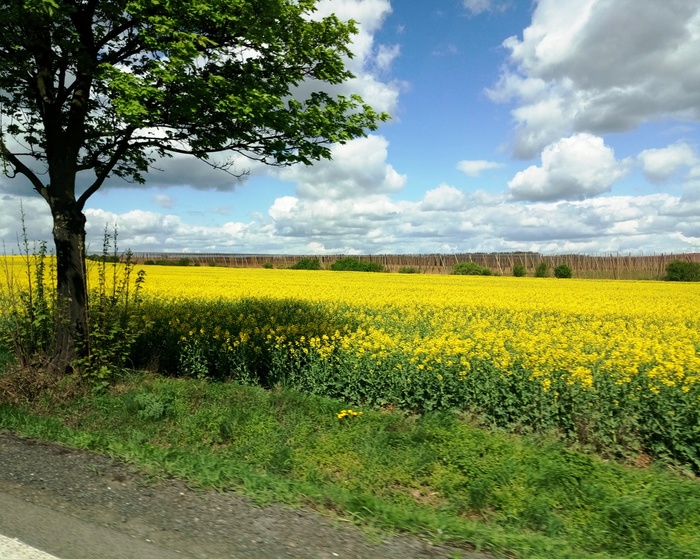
(72, 323)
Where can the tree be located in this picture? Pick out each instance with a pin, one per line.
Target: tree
(105, 87)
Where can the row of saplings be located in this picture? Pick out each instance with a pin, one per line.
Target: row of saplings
(678, 270)
(352, 264)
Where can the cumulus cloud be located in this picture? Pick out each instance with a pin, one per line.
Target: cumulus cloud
(368, 57)
(474, 168)
(445, 220)
(661, 164)
(443, 198)
(357, 169)
(573, 168)
(583, 66)
(37, 219)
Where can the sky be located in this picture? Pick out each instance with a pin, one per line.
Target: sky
(549, 126)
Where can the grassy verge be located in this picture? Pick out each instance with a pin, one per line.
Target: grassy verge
(435, 475)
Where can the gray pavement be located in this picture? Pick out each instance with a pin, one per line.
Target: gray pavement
(15, 549)
(63, 536)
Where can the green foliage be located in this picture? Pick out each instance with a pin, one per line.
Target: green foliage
(307, 264)
(114, 314)
(519, 270)
(267, 265)
(192, 86)
(470, 269)
(563, 271)
(542, 269)
(521, 496)
(680, 270)
(352, 264)
(408, 270)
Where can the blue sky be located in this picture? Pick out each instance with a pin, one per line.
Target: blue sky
(552, 126)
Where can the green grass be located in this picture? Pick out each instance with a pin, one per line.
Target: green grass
(434, 475)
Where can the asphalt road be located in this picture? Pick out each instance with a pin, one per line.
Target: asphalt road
(63, 536)
(14, 549)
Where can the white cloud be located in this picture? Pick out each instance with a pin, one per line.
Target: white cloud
(368, 58)
(443, 198)
(386, 56)
(357, 169)
(600, 70)
(474, 168)
(37, 221)
(446, 219)
(661, 164)
(573, 168)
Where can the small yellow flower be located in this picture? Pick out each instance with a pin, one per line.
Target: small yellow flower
(348, 413)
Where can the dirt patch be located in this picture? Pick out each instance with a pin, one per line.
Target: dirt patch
(199, 524)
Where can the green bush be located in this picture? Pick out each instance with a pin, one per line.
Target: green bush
(679, 270)
(408, 270)
(351, 264)
(267, 265)
(563, 271)
(103, 258)
(470, 269)
(165, 262)
(307, 264)
(542, 270)
(519, 271)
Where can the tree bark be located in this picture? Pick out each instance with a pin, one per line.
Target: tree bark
(72, 340)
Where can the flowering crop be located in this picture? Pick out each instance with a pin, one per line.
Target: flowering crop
(614, 364)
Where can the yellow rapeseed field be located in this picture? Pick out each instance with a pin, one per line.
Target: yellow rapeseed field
(554, 329)
(613, 364)
(549, 326)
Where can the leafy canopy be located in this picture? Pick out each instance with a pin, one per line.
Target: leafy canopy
(110, 85)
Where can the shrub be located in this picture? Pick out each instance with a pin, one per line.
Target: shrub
(267, 265)
(351, 264)
(408, 270)
(679, 270)
(542, 270)
(563, 271)
(519, 271)
(103, 258)
(470, 269)
(307, 264)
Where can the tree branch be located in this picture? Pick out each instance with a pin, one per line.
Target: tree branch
(24, 170)
(118, 153)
